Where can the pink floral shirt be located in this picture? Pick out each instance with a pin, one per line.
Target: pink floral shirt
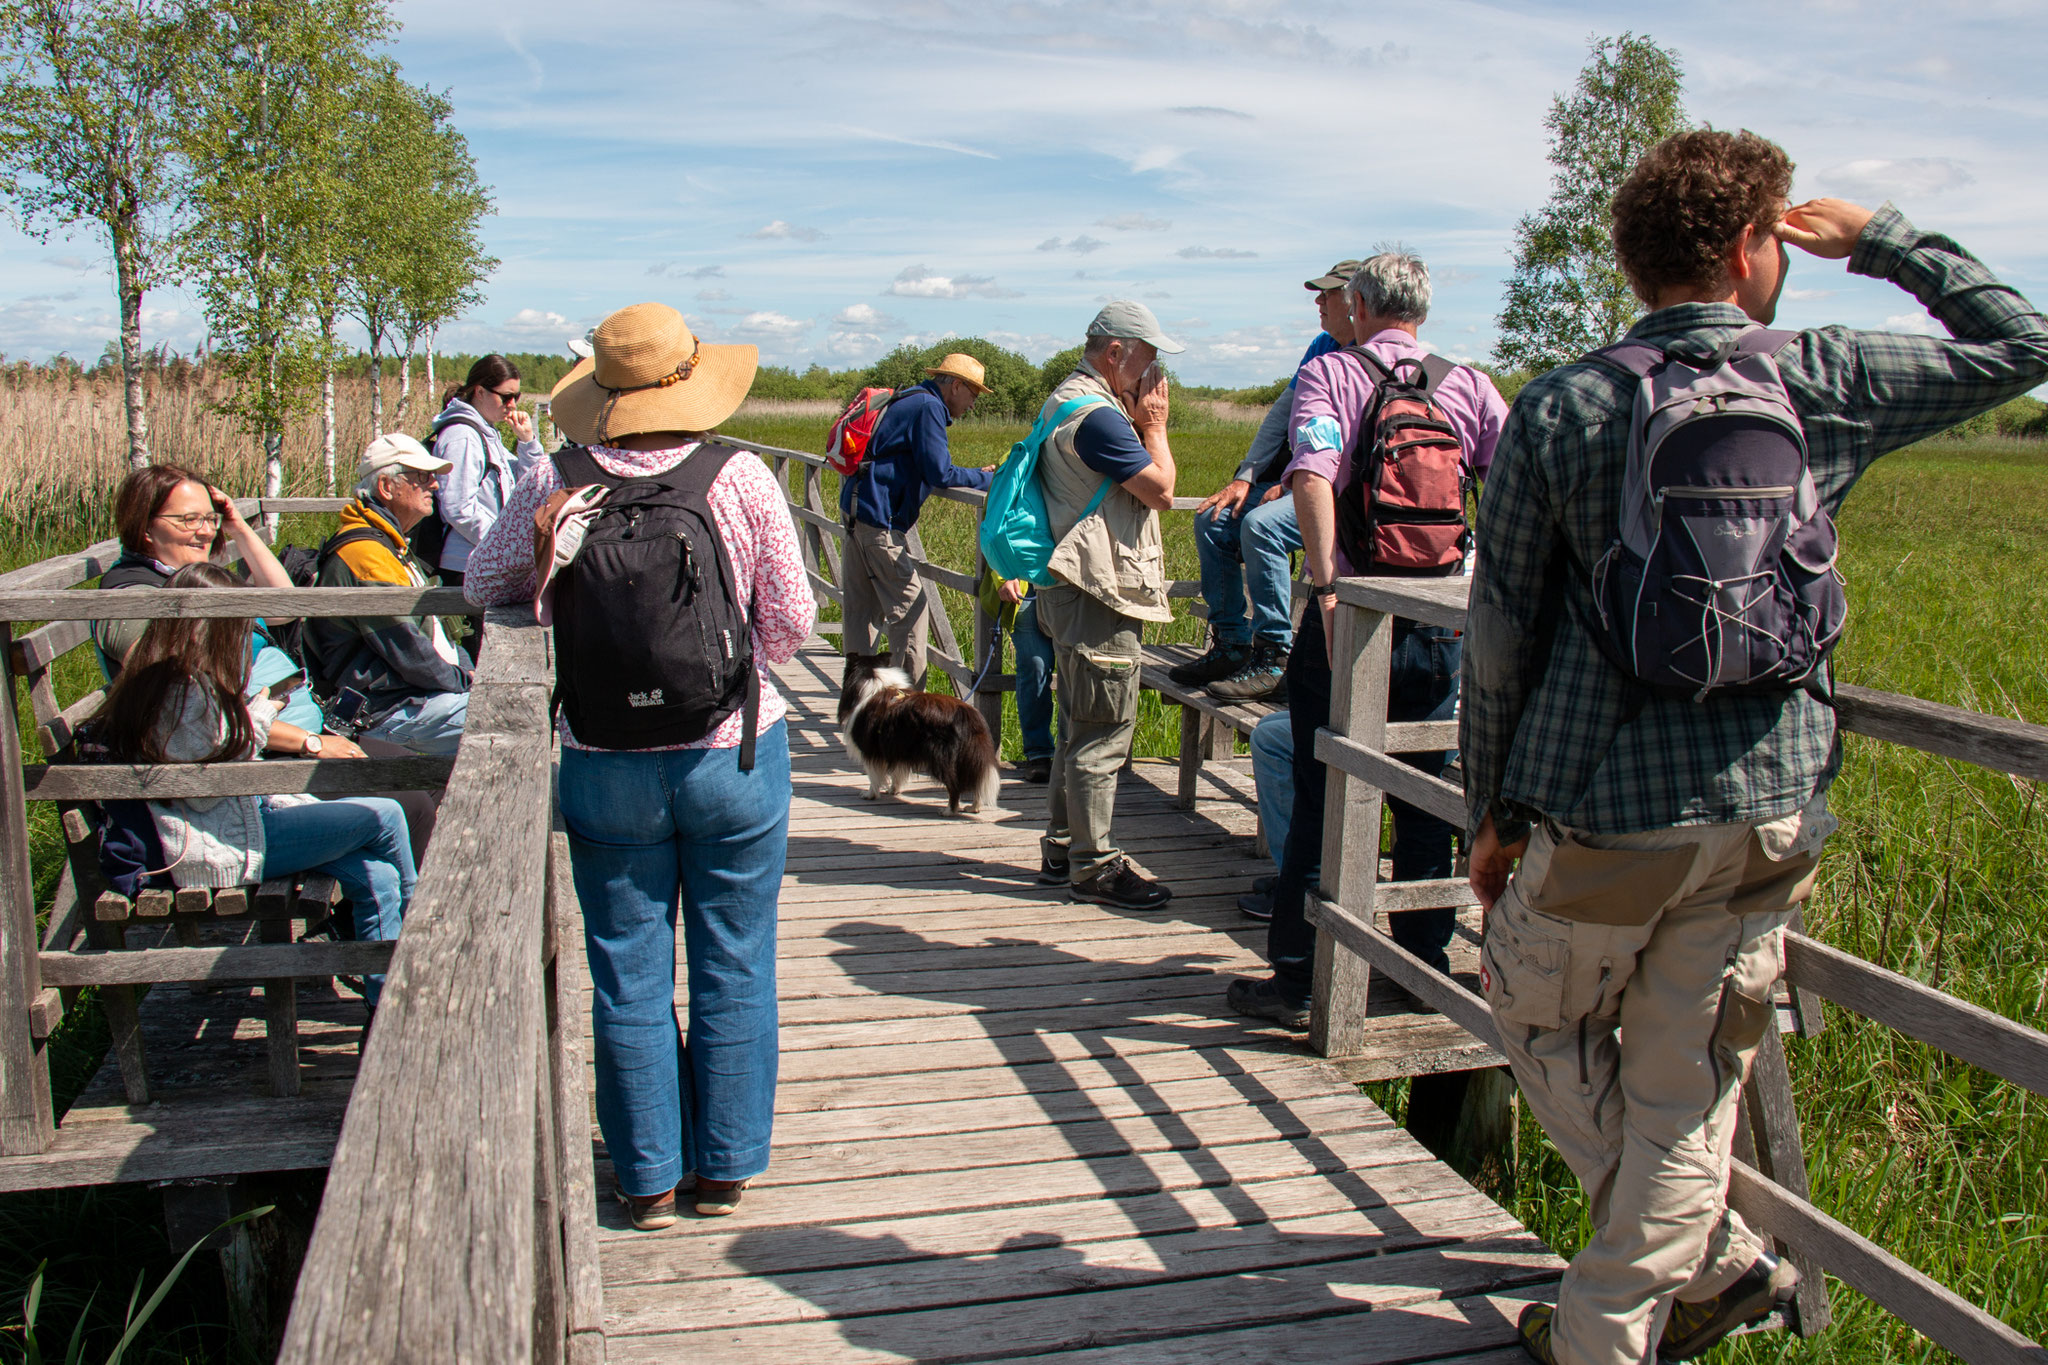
(760, 540)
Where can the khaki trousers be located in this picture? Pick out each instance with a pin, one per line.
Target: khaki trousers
(1630, 977)
(1095, 650)
(884, 599)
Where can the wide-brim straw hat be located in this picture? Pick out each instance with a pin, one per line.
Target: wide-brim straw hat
(649, 372)
(963, 367)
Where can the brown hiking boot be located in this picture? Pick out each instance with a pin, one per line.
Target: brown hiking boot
(650, 1212)
(1696, 1328)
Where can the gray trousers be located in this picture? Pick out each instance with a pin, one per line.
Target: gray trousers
(884, 598)
(1095, 651)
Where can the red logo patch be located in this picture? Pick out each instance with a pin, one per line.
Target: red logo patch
(1485, 979)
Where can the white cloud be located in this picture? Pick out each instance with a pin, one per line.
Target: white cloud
(1808, 295)
(706, 272)
(1155, 159)
(1134, 222)
(1916, 177)
(712, 296)
(1916, 324)
(781, 231)
(918, 282)
(534, 321)
(772, 326)
(1082, 244)
(1214, 253)
(857, 348)
(868, 317)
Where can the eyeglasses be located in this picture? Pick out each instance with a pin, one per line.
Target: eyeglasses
(419, 478)
(502, 396)
(190, 521)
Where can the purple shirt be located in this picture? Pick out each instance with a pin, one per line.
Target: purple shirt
(1331, 393)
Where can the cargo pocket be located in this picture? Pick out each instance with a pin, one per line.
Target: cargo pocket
(1522, 964)
(1627, 887)
(1105, 687)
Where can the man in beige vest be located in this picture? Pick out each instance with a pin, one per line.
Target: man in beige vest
(1107, 473)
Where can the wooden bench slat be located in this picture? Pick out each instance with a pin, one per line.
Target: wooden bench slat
(257, 777)
(234, 963)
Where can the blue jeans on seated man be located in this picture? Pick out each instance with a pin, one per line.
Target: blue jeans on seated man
(1034, 682)
(361, 842)
(1423, 686)
(1273, 778)
(1248, 555)
(652, 834)
(431, 726)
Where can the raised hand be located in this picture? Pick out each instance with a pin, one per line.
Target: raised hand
(1827, 228)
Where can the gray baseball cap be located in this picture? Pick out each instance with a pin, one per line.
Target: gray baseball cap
(1133, 321)
(1336, 277)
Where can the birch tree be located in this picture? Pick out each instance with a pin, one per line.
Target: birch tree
(89, 134)
(268, 103)
(445, 264)
(1567, 295)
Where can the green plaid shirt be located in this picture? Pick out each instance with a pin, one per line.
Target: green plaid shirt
(1546, 724)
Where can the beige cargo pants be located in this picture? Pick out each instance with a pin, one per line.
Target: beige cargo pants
(884, 599)
(1631, 979)
(1096, 654)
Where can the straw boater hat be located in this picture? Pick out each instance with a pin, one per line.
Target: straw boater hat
(650, 373)
(964, 368)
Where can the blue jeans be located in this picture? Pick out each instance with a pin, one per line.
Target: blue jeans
(1034, 681)
(1273, 779)
(1249, 555)
(1423, 685)
(431, 726)
(361, 842)
(648, 831)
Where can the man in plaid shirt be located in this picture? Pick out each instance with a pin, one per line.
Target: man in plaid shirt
(1665, 844)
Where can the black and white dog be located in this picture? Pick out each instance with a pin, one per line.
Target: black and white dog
(893, 732)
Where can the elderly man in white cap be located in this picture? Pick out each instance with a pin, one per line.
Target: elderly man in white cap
(1108, 473)
(394, 678)
(880, 503)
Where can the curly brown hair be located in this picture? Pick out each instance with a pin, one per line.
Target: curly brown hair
(1687, 201)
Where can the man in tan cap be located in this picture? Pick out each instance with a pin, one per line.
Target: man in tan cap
(880, 501)
(1108, 473)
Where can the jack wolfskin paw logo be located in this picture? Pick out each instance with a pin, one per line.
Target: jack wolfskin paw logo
(644, 698)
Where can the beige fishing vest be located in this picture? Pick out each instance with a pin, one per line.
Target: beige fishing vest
(1115, 554)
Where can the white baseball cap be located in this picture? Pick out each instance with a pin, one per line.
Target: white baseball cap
(396, 450)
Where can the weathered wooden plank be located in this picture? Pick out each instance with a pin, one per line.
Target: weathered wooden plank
(154, 902)
(124, 1022)
(2006, 746)
(192, 900)
(1957, 1027)
(291, 505)
(45, 1012)
(1445, 800)
(260, 777)
(805, 516)
(825, 588)
(214, 964)
(945, 577)
(414, 1258)
(583, 1271)
(197, 603)
(968, 985)
(62, 571)
(1432, 601)
(1778, 1151)
(1456, 1003)
(281, 1016)
(1937, 1312)
(27, 1120)
(39, 648)
(183, 1137)
(1361, 655)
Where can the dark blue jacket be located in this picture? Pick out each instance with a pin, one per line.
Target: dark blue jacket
(906, 460)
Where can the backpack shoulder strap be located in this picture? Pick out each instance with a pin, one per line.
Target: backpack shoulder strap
(1636, 358)
(1375, 368)
(697, 473)
(1764, 341)
(1435, 370)
(578, 467)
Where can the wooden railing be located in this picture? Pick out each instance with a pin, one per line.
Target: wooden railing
(1769, 1187)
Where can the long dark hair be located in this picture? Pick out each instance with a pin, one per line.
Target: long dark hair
(488, 372)
(142, 496)
(175, 653)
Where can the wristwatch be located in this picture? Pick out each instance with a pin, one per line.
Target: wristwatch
(314, 745)
(1322, 590)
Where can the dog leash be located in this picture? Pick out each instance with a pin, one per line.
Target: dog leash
(995, 652)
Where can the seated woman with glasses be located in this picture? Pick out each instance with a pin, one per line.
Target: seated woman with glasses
(168, 518)
(179, 699)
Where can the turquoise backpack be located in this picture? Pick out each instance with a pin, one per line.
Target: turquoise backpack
(1016, 529)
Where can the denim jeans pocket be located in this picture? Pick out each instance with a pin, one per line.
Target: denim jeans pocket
(1105, 687)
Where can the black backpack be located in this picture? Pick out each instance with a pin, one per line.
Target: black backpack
(652, 646)
(430, 536)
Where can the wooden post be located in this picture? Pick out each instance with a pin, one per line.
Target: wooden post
(1780, 1156)
(281, 1015)
(1190, 756)
(1361, 655)
(27, 1119)
(1467, 1118)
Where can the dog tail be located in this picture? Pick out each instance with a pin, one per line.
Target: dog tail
(991, 784)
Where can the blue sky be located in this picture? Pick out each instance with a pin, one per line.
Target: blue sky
(828, 178)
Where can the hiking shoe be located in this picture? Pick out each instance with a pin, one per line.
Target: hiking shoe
(1052, 871)
(1695, 1328)
(717, 1198)
(652, 1212)
(1119, 886)
(1264, 885)
(1037, 771)
(1221, 661)
(1534, 1330)
(1263, 677)
(1258, 904)
(1263, 1000)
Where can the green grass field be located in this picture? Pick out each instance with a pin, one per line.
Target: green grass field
(1937, 872)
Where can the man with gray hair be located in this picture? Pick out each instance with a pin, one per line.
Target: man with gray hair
(1388, 298)
(395, 678)
(1107, 473)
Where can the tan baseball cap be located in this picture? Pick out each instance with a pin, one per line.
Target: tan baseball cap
(1336, 277)
(396, 450)
(963, 367)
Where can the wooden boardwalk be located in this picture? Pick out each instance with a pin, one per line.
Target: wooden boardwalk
(1010, 1126)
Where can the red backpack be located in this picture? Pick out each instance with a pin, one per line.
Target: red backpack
(848, 444)
(1402, 511)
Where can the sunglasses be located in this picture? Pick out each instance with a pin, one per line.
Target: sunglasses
(502, 396)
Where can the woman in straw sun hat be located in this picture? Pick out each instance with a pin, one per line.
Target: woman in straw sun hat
(674, 827)
(880, 502)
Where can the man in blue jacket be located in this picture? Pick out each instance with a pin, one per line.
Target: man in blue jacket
(880, 501)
